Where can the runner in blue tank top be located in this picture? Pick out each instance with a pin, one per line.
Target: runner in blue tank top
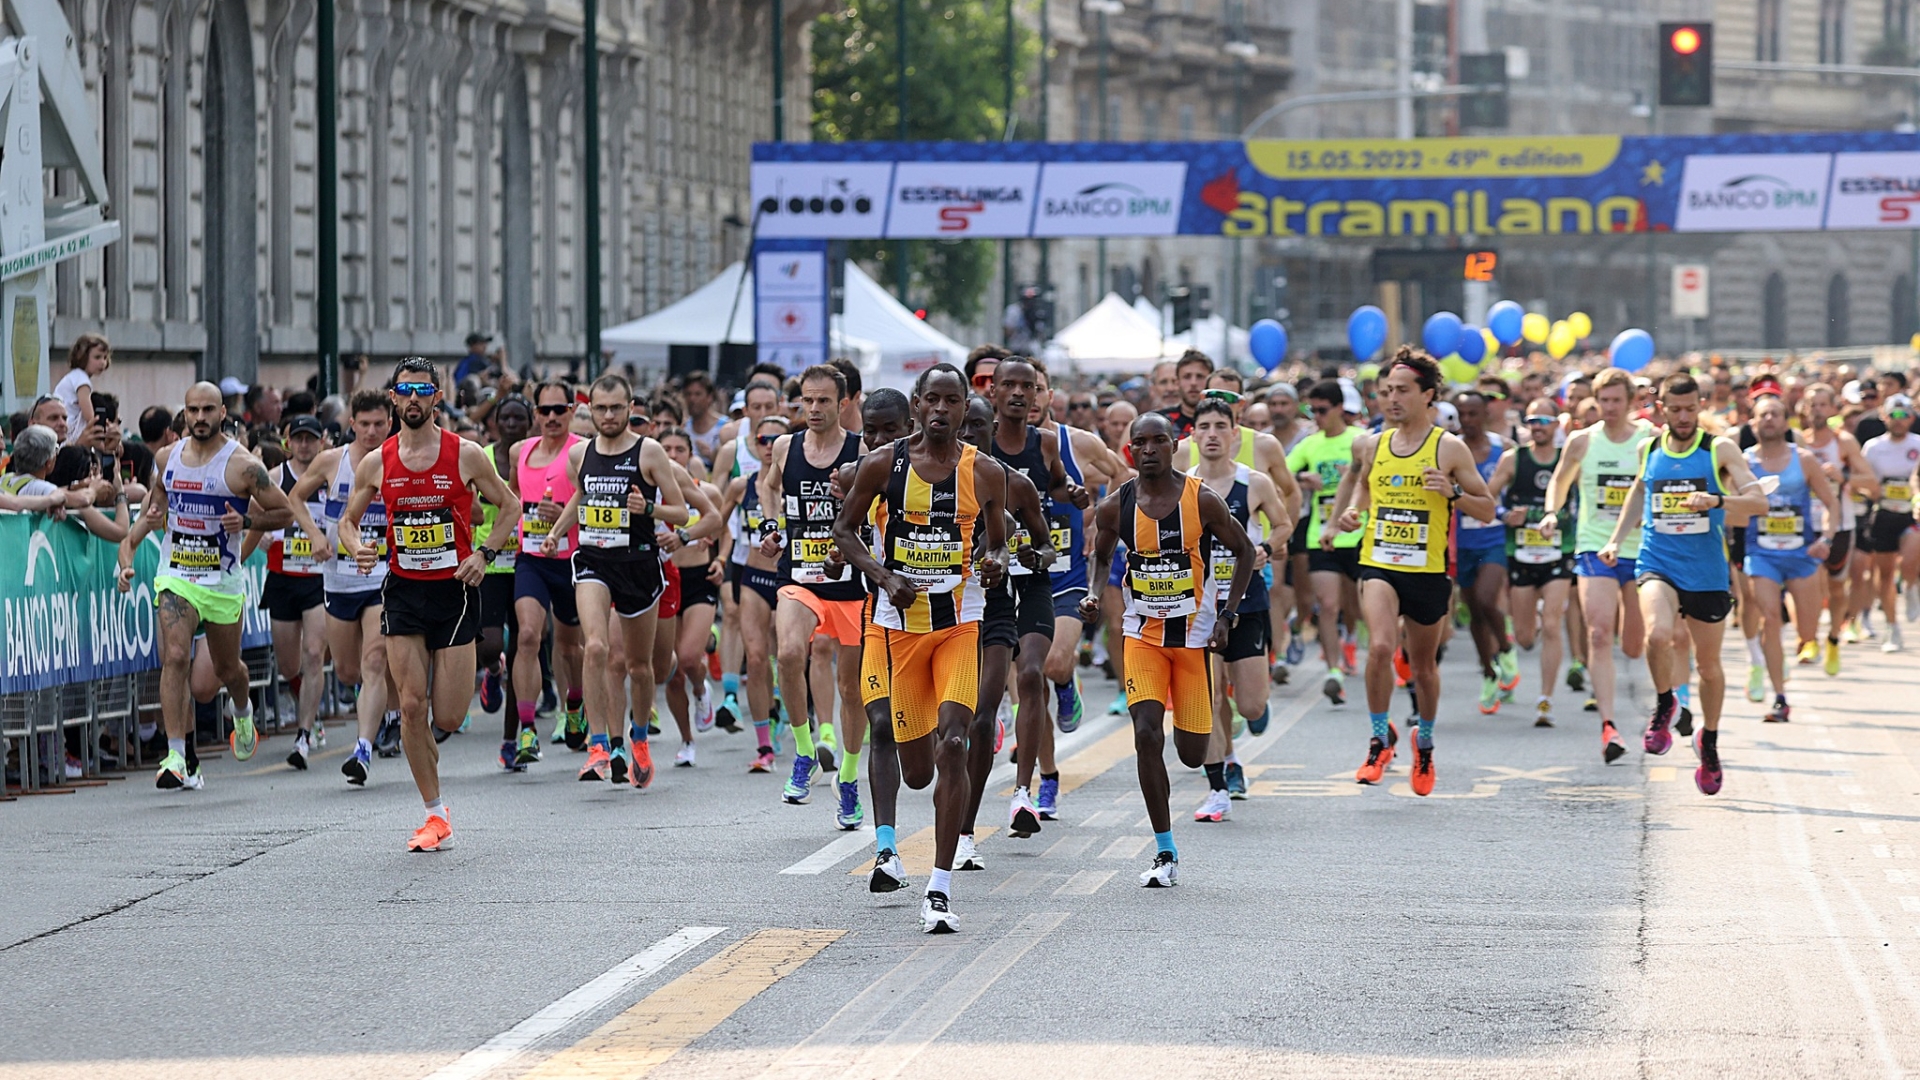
(1784, 550)
(1683, 492)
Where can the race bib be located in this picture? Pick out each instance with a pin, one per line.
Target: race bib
(373, 535)
(1018, 542)
(809, 556)
(296, 552)
(1671, 515)
(1223, 564)
(194, 557)
(1062, 532)
(534, 530)
(425, 539)
(1534, 548)
(1613, 488)
(929, 557)
(1783, 529)
(1400, 537)
(1896, 496)
(1162, 586)
(605, 524)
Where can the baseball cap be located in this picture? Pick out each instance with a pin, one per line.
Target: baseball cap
(306, 425)
(1900, 401)
(739, 402)
(1851, 392)
(230, 387)
(478, 338)
(1764, 386)
(1350, 401)
(1447, 416)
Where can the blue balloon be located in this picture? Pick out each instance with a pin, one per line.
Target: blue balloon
(1504, 320)
(1473, 344)
(1631, 350)
(1268, 343)
(1366, 331)
(1441, 335)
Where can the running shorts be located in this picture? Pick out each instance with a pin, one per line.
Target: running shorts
(1066, 605)
(1536, 575)
(1588, 564)
(1468, 562)
(496, 599)
(1179, 679)
(549, 581)
(670, 593)
(1882, 531)
(876, 682)
(928, 670)
(696, 588)
(443, 611)
(1707, 607)
(1249, 637)
(1424, 598)
(1840, 555)
(1736, 548)
(288, 597)
(218, 608)
(636, 585)
(1780, 567)
(840, 620)
(1344, 561)
(764, 582)
(1020, 606)
(349, 606)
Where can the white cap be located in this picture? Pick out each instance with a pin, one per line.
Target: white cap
(1447, 416)
(232, 387)
(1899, 401)
(1851, 393)
(739, 402)
(1284, 387)
(1350, 400)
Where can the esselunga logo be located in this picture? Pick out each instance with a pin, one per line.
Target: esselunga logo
(1111, 199)
(1754, 191)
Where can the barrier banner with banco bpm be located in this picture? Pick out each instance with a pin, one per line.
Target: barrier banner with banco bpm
(65, 622)
(1362, 188)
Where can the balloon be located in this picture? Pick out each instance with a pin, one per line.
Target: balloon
(1268, 343)
(1504, 319)
(1473, 344)
(1560, 339)
(1366, 331)
(1582, 326)
(1493, 347)
(1631, 350)
(1441, 335)
(1457, 370)
(1367, 371)
(1533, 327)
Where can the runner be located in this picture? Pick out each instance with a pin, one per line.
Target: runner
(1784, 549)
(1539, 568)
(741, 456)
(1239, 674)
(755, 590)
(798, 478)
(928, 601)
(353, 599)
(500, 638)
(542, 583)
(430, 603)
(294, 597)
(209, 490)
(1167, 518)
(1847, 470)
(1481, 557)
(1893, 457)
(691, 552)
(1409, 478)
(1602, 461)
(1320, 463)
(620, 484)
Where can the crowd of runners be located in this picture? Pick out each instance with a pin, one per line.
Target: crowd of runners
(916, 577)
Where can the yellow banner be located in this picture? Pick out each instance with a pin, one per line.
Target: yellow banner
(1506, 157)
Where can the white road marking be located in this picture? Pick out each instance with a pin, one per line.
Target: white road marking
(823, 860)
(523, 1036)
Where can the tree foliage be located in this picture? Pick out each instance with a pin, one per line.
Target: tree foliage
(956, 90)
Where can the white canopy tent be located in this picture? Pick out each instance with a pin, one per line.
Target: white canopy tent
(906, 343)
(1113, 337)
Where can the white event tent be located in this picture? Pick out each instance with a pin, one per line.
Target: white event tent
(1113, 337)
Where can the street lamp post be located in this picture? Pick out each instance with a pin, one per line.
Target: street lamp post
(590, 134)
(326, 313)
(1242, 51)
(1103, 9)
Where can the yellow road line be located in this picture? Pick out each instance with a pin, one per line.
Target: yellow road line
(1075, 771)
(671, 1018)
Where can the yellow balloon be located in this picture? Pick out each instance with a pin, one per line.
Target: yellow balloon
(1560, 340)
(1492, 356)
(1457, 370)
(1582, 326)
(1914, 344)
(1534, 327)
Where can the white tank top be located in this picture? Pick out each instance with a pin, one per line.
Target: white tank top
(1829, 454)
(340, 575)
(197, 548)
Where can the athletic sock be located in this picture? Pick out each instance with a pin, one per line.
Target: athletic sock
(177, 746)
(1665, 701)
(730, 683)
(1233, 758)
(763, 730)
(616, 743)
(1753, 652)
(883, 838)
(1710, 738)
(1216, 776)
(573, 701)
(600, 741)
(1055, 777)
(1425, 726)
(1163, 841)
(1380, 730)
(849, 766)
(437, 808)
(525, 709)
(1684, 695)
(363, 744)
(940, 881)
(803, 739)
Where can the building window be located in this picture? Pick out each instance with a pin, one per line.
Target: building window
(1833, 22)
(1773, 309)
(1837, 330)
(1186, 123)
(1150, 121)
(1766, 35)
(1083, 118)
(1112, 128)
(1905, 322)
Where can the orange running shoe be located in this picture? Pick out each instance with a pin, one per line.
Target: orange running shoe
(429, 837)
(1402, 671)
(641, 775)
(599, 763)
(1422, 779)
(1379, 756)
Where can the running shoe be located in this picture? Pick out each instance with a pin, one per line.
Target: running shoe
(1215, 808)
(1832, 665)
(432, 836)
(1592, 704)
(762, 762)
(508, 755)
(966, 856)
(1543, 712)
(1071, 709)
(1780, 711)
(1349, 661)
(319, 733)
(302, 748)
(642, 776)
(800, 785)
(576, 729)
(386, 738)
(683, 757)
(1683, 723)
(1658, 740)
(559, 726)
(1507, 664)
(1851, 633)
(851, 813)
(441, 734)
(243, 739)
(1281, 674)
(1236, 780)
(727, 716)
(1913, 601)
(176, 775)
(549, 696)
(617, 769)
(1239, 724)
(889, 874)
(1257, 725)
(1422, 778)
(703, 709)
(936, 917)
(493, 696)
(1809, 652)
(1335, 686)
(1893, 644)
(1163, 874)
(1047, 803)
(1612, 746)
(1577, 677)
(1489, 695)
(1707, 776)
(1756, 682)
(1119, 706)
(1003, 720)
(827, 747)
(1379, 756)
(357, 765)
(1296, 651)
(599, 764)
(1022, 819)
(526, 747)
(1085, 656)
(1402, 671)
(653, 721)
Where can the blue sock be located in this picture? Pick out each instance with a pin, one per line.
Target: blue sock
(1425, 738)
(730, 683)
(599, 741)
(638, 732)
(1684, 694)
(1379, 725)
(883, 838)
(1165, 842)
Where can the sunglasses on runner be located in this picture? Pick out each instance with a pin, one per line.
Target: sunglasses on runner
(1898, 414)
(639, 421)
(768, 440)
(554, 410)
(1541, 421)
(1228, 396)
(982, 382)
(415, 389)
(1322, 410)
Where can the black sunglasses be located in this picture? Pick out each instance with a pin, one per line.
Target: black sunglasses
(768, 440)
(555, 410)
(639, 421)
(1322, 410)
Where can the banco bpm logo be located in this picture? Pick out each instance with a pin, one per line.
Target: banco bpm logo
(1755, 191)
(1112, 199)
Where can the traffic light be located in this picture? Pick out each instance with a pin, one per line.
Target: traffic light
(1489, 108)
(1686, 63)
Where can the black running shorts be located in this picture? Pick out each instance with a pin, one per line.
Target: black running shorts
(444, 611)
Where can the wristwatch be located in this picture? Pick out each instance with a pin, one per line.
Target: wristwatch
(246, 522)
(1457, 492)
(682, 534)
(487, 553)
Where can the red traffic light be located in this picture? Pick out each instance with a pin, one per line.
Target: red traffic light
(1685, 41)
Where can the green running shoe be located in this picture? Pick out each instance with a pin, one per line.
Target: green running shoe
(244, 739)
(526, 748)
(1508, 665)
(1489, 695)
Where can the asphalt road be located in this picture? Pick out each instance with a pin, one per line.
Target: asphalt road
(1542, 915)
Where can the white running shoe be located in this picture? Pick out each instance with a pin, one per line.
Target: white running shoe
(889, 873)
(1913, 601)
(684, 758)
(936, 917)
(1022, 819)
(1163, 874)
(703, 708)
(1215, 808)
(1893, 643)
(967, 856)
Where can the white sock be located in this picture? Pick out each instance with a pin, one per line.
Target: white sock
(1753, 652)
(437, 808)
(940, 881)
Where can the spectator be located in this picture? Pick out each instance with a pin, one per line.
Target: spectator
(25, 485)
(76, 470)
(86, 360)
(263, 405)
(703, 418)
(16, 424)
(51, 413)
(235, 392)
(476, 362)
(156, 427)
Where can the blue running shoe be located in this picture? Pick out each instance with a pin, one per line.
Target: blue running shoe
(1236, 780)
(851, 812)
(1119, 706)
(800, 786)
(1048, 804)
(492, 697)
(1072, 709)
(355, 768)
(510, 757)
(1296, 651)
